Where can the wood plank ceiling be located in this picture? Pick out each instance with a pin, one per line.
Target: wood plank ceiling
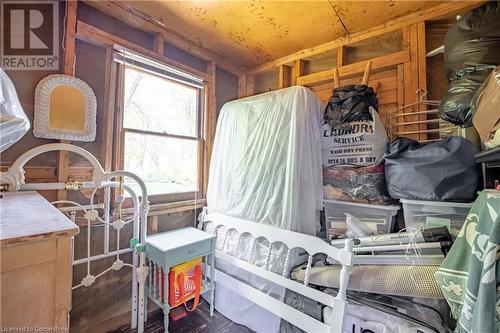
(253, 32)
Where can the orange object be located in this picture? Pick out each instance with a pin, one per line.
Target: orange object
(177, 313)
(184, 283)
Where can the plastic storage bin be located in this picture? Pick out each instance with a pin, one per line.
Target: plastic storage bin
(422, 214)
(378, 218)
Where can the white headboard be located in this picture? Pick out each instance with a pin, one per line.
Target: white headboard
(313, 245)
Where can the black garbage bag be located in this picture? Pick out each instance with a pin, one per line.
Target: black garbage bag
(350, 103)
(472, 51)
(458, 106)
(445, 170)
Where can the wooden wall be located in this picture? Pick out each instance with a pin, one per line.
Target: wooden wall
(226, 89)
(397, 50)
(106, 304)
(398, 65)
(437, 83)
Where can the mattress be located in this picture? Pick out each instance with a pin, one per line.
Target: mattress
(409, 281)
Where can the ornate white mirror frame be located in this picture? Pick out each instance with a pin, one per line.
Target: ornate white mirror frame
(74, 97)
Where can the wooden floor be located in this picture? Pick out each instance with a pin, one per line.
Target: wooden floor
(196, 322)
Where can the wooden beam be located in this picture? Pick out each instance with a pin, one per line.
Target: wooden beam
(357, 68)
(109, 111)
(159, 44)
(410, 82)
(96, 36)
(284, 76)
(336, 78)
(62, 171)
(171, 207)
(211, 120)
(69, 37)
(421, 72)
(206, 129)
(197, 205)
(298, 69)
(444, 9)
(340, 56)
(49, 174)
(130, 15)
(119, 109)
(250, 85)
(400, 88)
(68, 69)
(242, 86)
(153, 224)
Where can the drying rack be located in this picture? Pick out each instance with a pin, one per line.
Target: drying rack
(431, 124)
(13, 180)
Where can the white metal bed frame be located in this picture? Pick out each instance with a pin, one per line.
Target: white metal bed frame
(222, 226)
(14, 179)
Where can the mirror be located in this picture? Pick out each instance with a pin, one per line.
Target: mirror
(65, 109)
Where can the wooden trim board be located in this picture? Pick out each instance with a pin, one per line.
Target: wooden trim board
(284, 76)
(385, 61)
(96, 36)
(159, 44)
(211, 122)
(109, 110)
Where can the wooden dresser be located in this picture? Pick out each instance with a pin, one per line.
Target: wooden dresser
(35, 253)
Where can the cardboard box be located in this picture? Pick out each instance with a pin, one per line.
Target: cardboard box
(487, 117)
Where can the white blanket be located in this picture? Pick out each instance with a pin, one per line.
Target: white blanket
(266, 168)
(266, 161)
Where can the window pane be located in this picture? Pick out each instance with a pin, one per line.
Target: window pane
(155, 104)
(166, 165)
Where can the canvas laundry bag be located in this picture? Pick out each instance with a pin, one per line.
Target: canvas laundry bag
(357, 143)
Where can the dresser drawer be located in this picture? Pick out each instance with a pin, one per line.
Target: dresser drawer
(188, 252)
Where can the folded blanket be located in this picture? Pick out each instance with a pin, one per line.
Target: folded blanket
(470, 274)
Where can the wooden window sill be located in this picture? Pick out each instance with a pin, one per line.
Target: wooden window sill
(172, 207)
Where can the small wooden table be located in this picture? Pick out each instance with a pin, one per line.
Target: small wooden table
(35, 256)
(172, 248)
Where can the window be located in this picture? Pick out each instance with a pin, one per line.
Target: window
(161, 137)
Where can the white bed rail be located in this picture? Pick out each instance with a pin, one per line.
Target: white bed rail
(222, 226)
